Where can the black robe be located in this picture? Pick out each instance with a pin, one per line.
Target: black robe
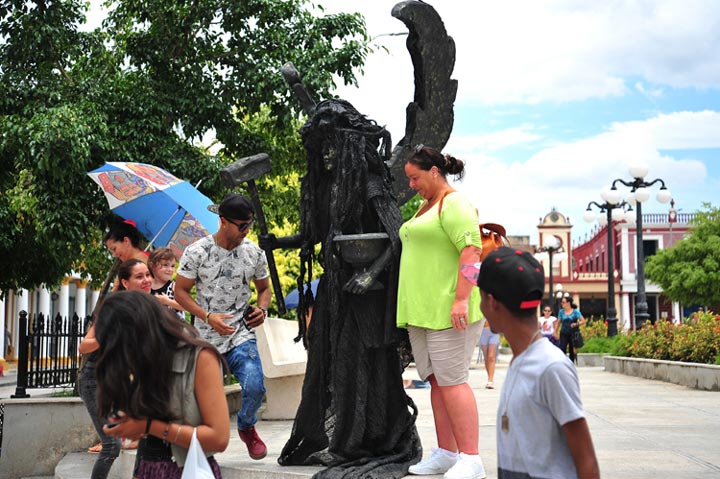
(354, 416)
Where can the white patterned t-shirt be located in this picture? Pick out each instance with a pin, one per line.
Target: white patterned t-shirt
(222, 282)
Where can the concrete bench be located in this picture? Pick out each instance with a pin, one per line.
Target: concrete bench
(283, 362)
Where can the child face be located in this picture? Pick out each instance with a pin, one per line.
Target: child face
(163, 271)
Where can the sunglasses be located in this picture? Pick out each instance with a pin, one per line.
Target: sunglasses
(242, 226)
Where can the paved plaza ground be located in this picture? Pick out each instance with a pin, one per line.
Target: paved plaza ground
(641, 429)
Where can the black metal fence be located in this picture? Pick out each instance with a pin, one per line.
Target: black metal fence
(48, 354)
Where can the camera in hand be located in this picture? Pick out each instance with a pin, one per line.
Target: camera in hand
(246, 315)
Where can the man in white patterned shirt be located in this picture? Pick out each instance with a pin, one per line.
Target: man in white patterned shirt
(221, 267)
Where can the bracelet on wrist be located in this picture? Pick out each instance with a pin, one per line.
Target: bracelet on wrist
(207, 317)
(165, 432)
(265, 311)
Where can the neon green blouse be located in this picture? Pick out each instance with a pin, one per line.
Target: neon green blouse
(431, 247)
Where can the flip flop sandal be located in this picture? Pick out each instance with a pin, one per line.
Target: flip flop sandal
(96, 449)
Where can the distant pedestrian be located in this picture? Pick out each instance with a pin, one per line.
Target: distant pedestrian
(489, 344)
(541, 427)
(549, 325)
(570, 321)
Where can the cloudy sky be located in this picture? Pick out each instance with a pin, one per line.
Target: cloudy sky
(557, 98)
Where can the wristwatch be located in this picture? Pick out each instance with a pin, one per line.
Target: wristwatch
(264, 312)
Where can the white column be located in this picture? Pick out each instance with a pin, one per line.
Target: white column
(2, 321)
(44, 303)
(64, 308)
(625, 252)
(23, 301)
(677, 314)
(81, 299)
(625, 305)
(94, 296)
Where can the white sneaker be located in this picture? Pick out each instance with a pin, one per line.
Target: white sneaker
(439, 462)
(467, 467)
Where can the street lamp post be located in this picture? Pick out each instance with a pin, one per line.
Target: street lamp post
(552, 245)
(589, 216)
(639, 190)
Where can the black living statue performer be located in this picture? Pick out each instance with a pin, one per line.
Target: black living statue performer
(354, 416)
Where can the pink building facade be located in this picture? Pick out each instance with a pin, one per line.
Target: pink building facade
(583, 270)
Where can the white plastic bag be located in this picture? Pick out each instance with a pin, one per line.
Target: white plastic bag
(196, 464)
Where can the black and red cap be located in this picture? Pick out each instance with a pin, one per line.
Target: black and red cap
(233, 206)
(514, 277)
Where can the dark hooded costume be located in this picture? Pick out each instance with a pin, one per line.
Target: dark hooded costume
(355, 416)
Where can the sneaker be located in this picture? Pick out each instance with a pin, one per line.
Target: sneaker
(466, 467)
(255, 445)
(439, 462)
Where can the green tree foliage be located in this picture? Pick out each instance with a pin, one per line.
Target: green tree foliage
(146, 87)
(689, 272)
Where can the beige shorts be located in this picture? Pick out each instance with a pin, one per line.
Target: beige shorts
(446, 353)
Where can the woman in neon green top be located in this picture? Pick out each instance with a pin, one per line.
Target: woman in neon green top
(440, 308)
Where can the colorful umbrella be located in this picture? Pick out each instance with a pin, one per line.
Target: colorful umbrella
(168, 211)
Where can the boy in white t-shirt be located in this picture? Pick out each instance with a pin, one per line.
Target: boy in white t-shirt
(541, 426)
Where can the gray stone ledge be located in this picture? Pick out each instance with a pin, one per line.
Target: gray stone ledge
(39, 431)
(705, 377)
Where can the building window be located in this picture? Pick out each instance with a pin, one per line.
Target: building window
(650, 247)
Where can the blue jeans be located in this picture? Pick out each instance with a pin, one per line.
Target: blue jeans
(244, 362)
(110, 444)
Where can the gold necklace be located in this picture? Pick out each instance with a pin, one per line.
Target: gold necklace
(504, 420)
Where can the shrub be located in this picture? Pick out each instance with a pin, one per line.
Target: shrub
(615, 346)
(593, 329)
(694, 343)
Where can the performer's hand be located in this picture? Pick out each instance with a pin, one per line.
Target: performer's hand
(268, 242)
(359, 283)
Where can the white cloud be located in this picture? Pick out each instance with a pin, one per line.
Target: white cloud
(648, 92)
(679, 130)
(528, 52)
(570, 175)
(497, 140)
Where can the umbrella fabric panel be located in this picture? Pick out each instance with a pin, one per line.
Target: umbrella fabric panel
(152, 211)
(189, 231)
(122, 183)
(167, 211)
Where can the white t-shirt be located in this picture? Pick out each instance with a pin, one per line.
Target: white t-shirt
(541, 393)
(547, 325)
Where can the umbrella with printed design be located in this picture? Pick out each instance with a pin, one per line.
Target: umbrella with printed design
(168, 211)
